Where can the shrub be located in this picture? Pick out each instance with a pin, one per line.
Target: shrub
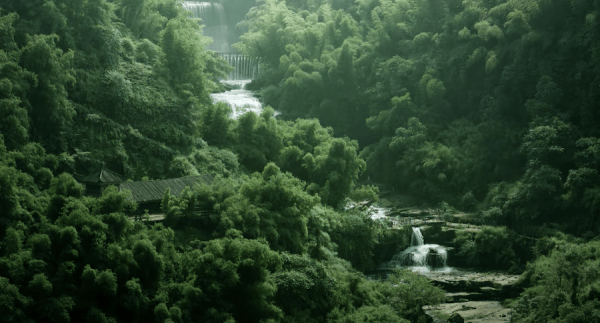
(565, 286)
(491, 247)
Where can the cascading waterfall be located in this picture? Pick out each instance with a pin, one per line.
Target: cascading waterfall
(419, 255)
(417, 238)
(214, 21)
(216, 25)
(239, 99)
(245, 68)
(211, 13)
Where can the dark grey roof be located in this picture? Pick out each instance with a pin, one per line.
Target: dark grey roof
(102, 175)
(150, 191)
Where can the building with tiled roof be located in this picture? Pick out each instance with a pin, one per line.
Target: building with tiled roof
(153, 191)
(147, 194)
(96, 181)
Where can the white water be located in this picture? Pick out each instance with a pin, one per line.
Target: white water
(213, 19)
(378, 213)
(239, 99)
(415, 256)
(211, 13)
(244, 67)
(417, 238)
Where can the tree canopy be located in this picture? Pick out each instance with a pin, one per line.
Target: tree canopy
(488, 106)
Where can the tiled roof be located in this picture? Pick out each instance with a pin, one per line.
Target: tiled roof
(102, 175)
(154, 190)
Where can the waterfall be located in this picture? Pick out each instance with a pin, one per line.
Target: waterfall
(417, 237)
(245, 68)
(238, 98)
(420, 255)
(214, 21)
(211, 13)
(220, 24)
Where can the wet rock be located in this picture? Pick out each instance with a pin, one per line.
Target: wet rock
(435, 259)
(428, 318)
(492, 285)
(456, 318)
(465, 297)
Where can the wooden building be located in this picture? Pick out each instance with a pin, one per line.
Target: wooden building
(149, 194)
(97, 181)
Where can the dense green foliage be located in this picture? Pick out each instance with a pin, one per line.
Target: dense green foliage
(303, 148)
(494, 248)
(122, 82)
(488, 104)
(127, 83)
(565, 285)
(269, 254)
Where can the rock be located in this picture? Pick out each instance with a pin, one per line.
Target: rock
(456, 318)
(464, 297)
(434, 259)
(472, 311)
(467, 308)
(493, 285)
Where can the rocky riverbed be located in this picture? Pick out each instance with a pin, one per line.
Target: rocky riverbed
(474, 311)
(469, 285)
(474, 296)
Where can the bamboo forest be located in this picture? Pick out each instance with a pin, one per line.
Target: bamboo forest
(302, 161)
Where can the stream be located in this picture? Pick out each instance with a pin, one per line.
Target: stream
(477, 296)
(238, 98)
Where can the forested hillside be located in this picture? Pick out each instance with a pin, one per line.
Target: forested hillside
(127, 83)
(470, 102)
(487, 106)
(484, 106)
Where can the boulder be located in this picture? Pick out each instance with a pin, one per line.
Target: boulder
(434, 259)
(456, 318)
(472, 311)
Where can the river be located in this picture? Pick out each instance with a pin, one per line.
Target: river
(239, 99)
